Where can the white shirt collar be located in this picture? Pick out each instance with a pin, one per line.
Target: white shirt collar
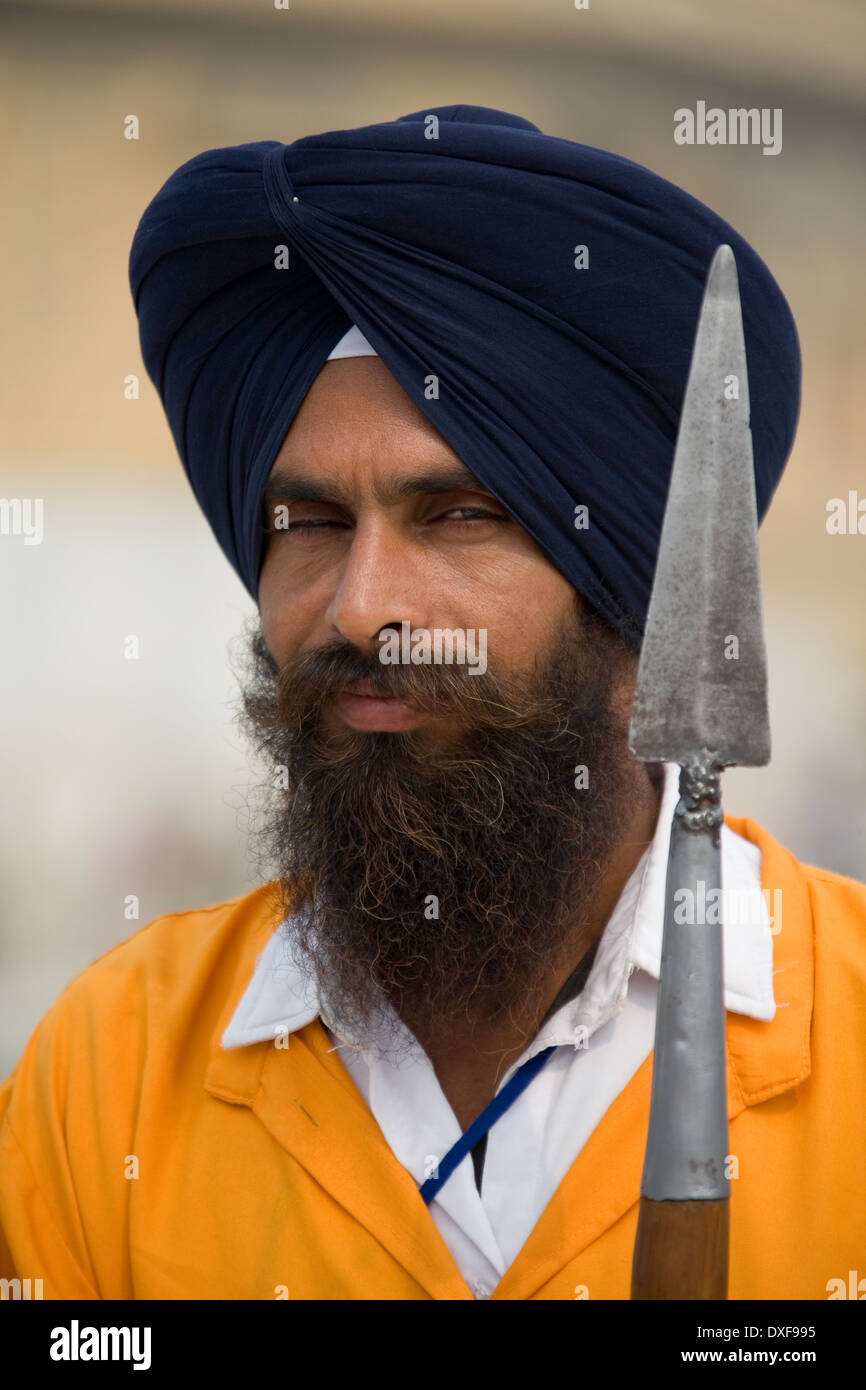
(281, 997)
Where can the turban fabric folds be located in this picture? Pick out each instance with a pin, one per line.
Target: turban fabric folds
(452, 238)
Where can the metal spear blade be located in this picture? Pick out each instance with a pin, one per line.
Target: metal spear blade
(702, 677)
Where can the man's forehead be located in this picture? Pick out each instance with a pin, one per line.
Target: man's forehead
(353, 390)
(388, 481)
(357, 428)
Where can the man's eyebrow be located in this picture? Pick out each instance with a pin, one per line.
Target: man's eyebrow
(295, 487)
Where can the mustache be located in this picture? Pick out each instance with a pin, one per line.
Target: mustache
(308, 680)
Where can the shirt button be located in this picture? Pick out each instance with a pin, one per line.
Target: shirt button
(480, 1290)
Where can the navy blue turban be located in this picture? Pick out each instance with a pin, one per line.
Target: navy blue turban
(453, 245)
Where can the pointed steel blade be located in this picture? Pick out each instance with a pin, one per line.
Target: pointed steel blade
(702, 677)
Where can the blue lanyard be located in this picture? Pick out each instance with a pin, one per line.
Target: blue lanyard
(498, 1106)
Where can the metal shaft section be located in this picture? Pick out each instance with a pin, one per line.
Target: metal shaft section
(687, 1141)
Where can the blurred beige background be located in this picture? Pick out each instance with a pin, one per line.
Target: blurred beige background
(128, 777)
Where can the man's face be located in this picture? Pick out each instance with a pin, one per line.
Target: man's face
(446, 828)
(392, 528)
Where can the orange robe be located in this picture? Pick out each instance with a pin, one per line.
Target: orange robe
(140, 1160)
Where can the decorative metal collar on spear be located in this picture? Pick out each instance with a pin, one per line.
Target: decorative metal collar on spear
(700, 701)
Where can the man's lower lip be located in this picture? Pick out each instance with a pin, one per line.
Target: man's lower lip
(371, 713)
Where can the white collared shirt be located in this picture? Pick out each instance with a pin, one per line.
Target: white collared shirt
(603, 1036)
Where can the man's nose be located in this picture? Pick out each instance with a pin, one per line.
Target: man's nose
(381, 583)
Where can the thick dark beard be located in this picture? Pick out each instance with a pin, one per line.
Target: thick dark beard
(376, 833)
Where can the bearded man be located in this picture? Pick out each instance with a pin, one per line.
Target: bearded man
(425, 377)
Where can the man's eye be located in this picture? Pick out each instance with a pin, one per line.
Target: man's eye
(310, 526)
(295, 525)
(470, 514)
